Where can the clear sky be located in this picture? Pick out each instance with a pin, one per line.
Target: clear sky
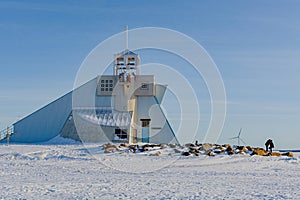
(255, 45)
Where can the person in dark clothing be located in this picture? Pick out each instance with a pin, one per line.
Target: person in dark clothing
(269, 145)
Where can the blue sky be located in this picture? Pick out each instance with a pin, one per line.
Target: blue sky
(255, 45)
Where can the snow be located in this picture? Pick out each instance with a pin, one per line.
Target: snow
(69, 170)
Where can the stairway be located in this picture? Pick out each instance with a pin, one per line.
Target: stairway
(9, 130)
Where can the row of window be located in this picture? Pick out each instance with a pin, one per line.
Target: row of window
(106, 85)
(107, 81)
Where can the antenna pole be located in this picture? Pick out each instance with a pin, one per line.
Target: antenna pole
(126, 29)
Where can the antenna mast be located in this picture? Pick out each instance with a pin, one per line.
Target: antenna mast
(126, 29)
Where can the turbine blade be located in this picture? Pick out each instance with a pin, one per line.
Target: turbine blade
(242, 140)
(240, 132)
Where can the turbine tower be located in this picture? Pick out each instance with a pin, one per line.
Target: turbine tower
(239, 138)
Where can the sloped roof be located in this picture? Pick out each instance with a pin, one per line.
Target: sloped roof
(126, 52)
(105, 116)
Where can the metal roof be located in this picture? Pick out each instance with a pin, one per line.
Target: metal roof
(105, 116)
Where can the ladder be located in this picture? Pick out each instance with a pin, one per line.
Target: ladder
(6, 132)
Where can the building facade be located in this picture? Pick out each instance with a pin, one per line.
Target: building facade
(123, 107)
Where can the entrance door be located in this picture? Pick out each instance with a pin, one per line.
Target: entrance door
(145, 130)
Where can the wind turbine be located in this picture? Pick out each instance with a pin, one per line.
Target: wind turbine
(238, 138)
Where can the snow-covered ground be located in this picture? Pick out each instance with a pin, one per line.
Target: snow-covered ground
(74, 171)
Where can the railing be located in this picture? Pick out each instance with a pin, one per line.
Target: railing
(6, 132)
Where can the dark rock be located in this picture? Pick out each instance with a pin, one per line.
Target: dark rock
(133, 148)
(197, 144)
(186, 153)
(289, 154)
(177, 151)
(189, 145)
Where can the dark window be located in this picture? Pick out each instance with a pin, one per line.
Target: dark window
(121, 133)
(144, 86)
(145, 123)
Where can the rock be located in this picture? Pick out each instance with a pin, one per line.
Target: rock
(189, 145)
(193, 149)
(259, 152)
(123, 145)
(241, 148)
(289, 154)
(109, 149)
(209, 153)
(107, 145)
(147, 147)
(218, 151)
(206, 147)
(177, 151)
(275, 154)
(172, 145)
(249, 148)
(133, 148)
(220, 148)
(226, 145)
(197, 144)
(185, 153)
(163, 146)
(229, 150)
(158, 153)
(170, 154)
(195, 152)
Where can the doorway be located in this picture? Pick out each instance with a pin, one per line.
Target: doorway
(145, 130)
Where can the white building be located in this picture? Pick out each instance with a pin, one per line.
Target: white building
(125, 107)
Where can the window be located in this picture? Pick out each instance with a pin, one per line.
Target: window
(145, 122)
(145, 86)
(120, 134)
(131, 61)
(107, 85)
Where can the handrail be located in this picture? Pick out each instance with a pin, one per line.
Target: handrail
(7, 132)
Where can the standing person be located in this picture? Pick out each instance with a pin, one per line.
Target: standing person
(269, 145)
